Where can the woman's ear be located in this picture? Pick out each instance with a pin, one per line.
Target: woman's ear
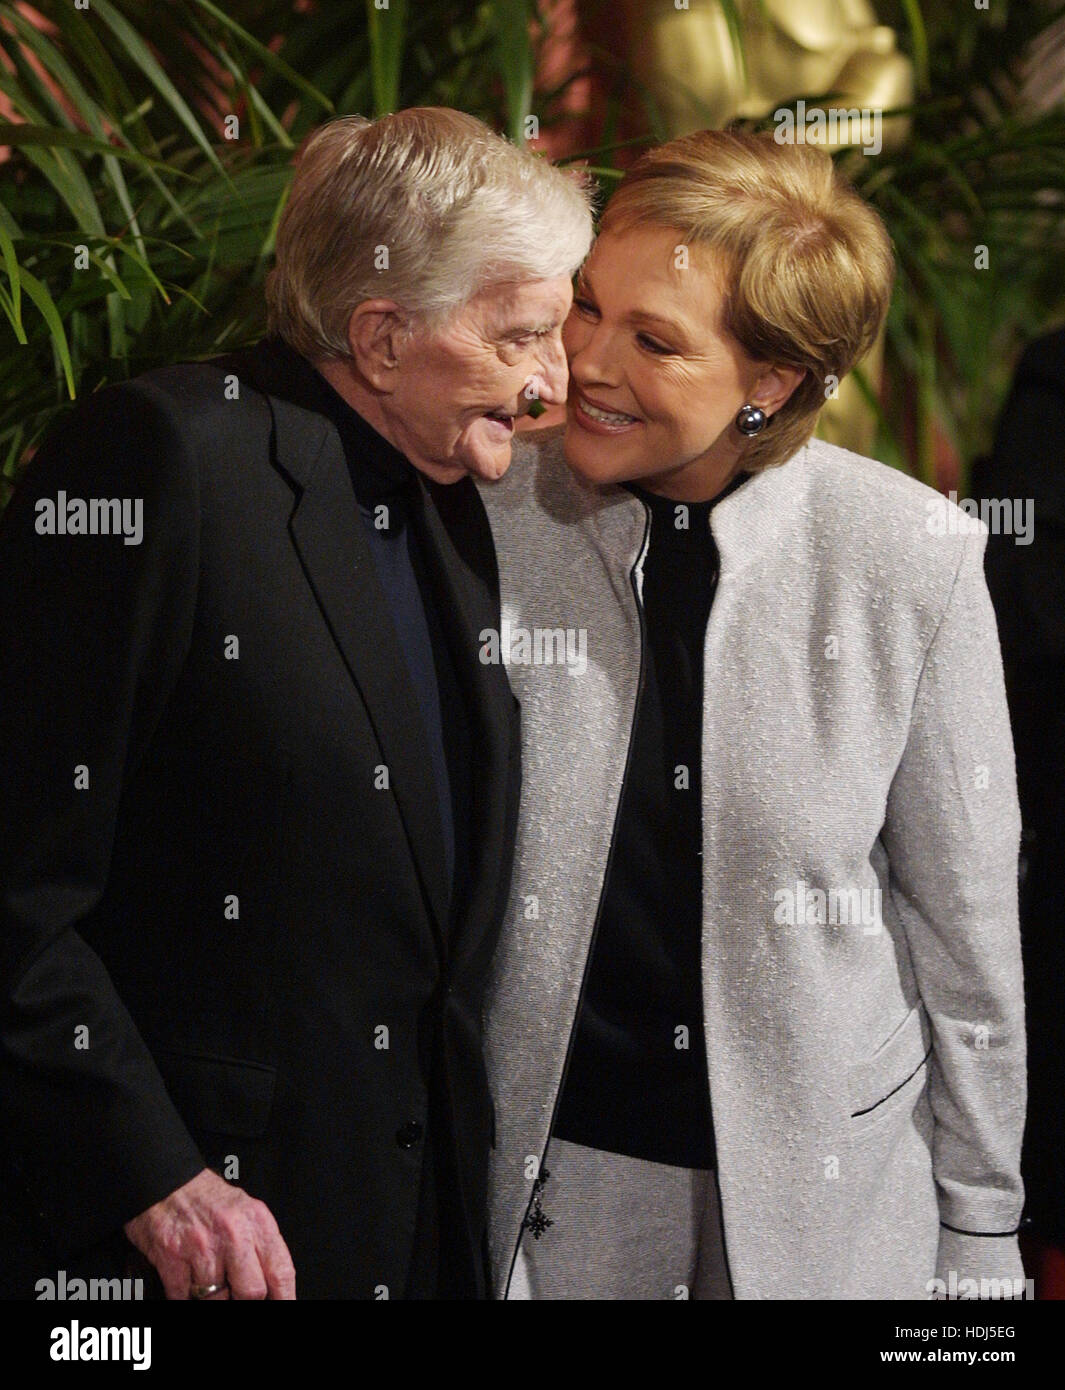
(375, 330)
(775, 387)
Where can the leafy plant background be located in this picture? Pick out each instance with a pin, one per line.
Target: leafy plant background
(117, 144)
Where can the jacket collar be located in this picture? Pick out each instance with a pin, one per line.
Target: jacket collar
(752, 523)
(748, 523)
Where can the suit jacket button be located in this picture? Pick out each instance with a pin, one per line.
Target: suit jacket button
(408, 1135)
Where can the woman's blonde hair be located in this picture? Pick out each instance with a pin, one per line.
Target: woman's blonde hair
(425, 207)
(807, 264)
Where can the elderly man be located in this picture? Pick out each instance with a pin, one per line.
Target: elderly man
(260, 793)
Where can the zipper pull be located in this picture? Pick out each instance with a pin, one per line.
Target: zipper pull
(536, 1219)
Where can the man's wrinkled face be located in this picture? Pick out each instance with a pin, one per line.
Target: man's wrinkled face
(459, 389)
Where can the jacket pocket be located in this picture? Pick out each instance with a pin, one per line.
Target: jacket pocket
(221, 1095)
(897, 1060)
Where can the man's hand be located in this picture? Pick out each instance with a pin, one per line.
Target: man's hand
(210, 1232)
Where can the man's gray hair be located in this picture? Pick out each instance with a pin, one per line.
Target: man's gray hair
(425, 207)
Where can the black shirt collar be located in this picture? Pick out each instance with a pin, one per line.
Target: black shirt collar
(379, 472)
(664, 513)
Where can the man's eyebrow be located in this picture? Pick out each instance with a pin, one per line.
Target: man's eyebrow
(527, 330)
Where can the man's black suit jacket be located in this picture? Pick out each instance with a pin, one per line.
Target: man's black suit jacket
(222, 880)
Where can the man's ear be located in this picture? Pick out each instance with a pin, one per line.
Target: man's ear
(375, 329)
(775, 387)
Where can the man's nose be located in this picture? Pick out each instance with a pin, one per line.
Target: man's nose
(553, 375)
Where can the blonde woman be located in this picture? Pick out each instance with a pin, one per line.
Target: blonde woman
(755, 1027)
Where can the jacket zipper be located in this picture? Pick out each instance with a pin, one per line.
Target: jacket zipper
(539, 1222)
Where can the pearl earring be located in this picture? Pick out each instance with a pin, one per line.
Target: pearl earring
(751, 420)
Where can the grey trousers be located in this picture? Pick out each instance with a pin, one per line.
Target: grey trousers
(623, 1228)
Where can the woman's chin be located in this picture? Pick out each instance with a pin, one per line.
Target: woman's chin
(590, 460)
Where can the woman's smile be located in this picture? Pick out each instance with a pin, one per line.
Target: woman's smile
(597, 418)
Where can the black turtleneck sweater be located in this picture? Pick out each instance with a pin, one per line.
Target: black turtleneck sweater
(637, 1083)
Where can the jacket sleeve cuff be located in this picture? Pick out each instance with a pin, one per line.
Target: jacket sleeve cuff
(120, 1196)
(972, 1265)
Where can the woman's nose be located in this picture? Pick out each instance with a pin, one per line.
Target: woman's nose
(590, 360)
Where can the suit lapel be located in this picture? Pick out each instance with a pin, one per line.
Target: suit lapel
(329, 536)
(458, 543)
